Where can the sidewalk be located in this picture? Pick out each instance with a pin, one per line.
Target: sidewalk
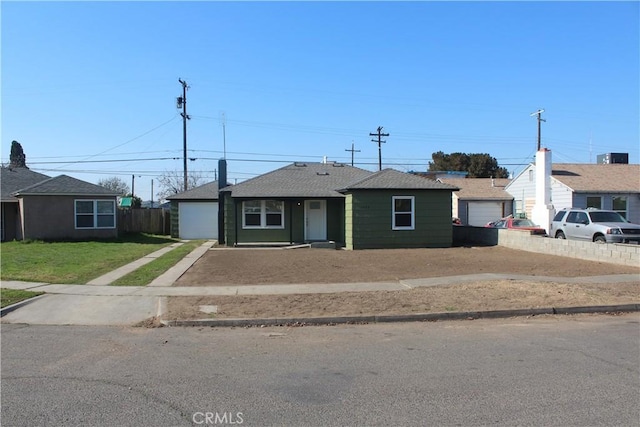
(98, 303)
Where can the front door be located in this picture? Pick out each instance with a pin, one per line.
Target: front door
(315, 214)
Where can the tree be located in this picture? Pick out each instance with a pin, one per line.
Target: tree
(172, 182)
(115, 184)
(17, 158)
(477, 165)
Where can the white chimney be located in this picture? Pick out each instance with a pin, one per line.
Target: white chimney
(543, 211)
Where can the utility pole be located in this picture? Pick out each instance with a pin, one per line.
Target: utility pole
(152, 193)
(379, 141)
(540, 120)
(352, 151)
(182, 103)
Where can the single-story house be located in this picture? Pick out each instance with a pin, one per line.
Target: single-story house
(353, 207)
(613, 186)
(194, 213)
(38, 207)
(480, 200)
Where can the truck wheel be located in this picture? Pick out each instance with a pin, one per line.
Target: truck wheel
(600, 239)
(560, 235)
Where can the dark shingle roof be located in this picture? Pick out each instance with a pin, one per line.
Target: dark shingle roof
(300, 180)
(207, 191)
(391, 179)
(14, 179)
(64, 185)
(328, 180)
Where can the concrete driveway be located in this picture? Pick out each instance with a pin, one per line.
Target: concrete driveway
(61, 309)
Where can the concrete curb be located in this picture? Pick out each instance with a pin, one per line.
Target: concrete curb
(422, 317)
(8, 309)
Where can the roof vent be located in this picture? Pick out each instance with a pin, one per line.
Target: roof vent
(323, 173)
(338, 165)
(300, 165)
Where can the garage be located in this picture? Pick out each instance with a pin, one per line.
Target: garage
(480, 213)
(198, 220)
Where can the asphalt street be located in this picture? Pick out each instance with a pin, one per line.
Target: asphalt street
(549, 370)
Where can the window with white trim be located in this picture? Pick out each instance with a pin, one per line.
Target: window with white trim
(95, 213)
(619, 204)
(403, 213)
(263, 214)
(594, 202)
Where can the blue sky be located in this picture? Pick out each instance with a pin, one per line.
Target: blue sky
(89, 88)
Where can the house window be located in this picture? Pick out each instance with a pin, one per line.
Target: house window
(403, 213)
(619, 204)
(594, 202)
(263, 214)
(95, 213)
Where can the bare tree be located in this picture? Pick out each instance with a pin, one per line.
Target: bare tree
(172, 182)
(115, 184)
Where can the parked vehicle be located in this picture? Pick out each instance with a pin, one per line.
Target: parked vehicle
(518, 224)
(594, 225)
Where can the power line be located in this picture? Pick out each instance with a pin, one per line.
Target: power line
(133, 139)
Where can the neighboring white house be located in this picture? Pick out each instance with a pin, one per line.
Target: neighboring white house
(479, 200)
(603, 186)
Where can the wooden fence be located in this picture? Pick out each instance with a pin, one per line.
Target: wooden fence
(153, 221)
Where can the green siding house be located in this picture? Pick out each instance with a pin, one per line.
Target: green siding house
(355, 208)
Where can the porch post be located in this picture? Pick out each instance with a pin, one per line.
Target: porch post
(235, 221)
(290, 222)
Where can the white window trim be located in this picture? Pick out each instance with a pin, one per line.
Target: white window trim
(593, 197)
(263, 217)
(94, 214)
(413, 212)
(624, 212)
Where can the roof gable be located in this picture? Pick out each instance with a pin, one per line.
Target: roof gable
(14, 179)
(300, 180)
(65, 185)
(391, 179)
(208, 191)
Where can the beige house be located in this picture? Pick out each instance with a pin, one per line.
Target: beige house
(38, 207)
(479, 200)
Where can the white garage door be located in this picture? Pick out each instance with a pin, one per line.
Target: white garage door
(198, 220)
(480, 213)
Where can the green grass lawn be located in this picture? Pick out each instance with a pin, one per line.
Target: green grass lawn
(12, 296)
(73, 262)
(145, 274)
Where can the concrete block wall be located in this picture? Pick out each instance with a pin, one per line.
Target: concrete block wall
(608, 252)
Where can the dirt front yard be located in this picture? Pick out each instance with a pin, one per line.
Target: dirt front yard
(220, 267)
